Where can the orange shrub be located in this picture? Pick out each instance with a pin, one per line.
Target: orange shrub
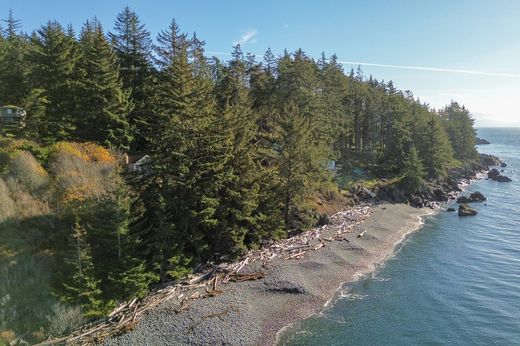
(98, 153)
(69, 148)
(84, 151)
(7, 335)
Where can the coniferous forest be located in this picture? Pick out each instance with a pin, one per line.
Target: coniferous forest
(238, 149)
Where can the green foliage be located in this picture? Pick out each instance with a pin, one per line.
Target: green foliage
(13, 65)
(54, 60)
(103, 102)
(413, 172)
(132, 44)
(459, 126)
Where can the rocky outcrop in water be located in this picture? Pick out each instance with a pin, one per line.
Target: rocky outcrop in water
(464, 199)
(495, 175)
(503, 164)
(476, 196)
(482, 141)
(465, 210)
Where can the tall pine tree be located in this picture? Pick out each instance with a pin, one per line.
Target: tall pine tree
(104, 104)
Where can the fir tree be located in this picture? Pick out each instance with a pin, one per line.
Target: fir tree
(459, 125)
(413, 172)
(104, 103)
(83, 289)
(133, 46)
(239, 193)
(54, 57)
(299, 164)
(13, 64)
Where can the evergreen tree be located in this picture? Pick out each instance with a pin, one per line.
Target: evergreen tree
(83, 289)
(13, 65)
(435, 148)
(239, 193)
(187, 160)
(104, 103)
(299, 163)
(459, 125)
(122, 274)
(133, 47)
(413, 172)
(54, 57)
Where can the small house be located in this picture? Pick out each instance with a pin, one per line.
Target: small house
(12, 115)
(331, 165)
(137, 163)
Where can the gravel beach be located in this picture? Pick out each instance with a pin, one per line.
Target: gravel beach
(253, 312)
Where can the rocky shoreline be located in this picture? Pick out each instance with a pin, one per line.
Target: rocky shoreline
(441, 190)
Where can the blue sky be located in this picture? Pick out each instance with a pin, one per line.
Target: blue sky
(470, 35)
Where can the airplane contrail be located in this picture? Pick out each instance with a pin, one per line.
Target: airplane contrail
(418, 68)
(434, 69)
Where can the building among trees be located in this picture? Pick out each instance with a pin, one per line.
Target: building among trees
(12, 115)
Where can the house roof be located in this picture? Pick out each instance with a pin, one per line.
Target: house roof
(133, 159)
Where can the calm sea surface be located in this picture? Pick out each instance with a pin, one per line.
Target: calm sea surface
(454, 282)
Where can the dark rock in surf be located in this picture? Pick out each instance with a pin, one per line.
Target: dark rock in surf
(477, 196)
(502, 179)
(465, 210)
(492, 174)
(464, 199)
(503, 164)
(450, 210)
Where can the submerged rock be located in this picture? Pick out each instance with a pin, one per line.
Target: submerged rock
(450, 210)
(465, 210)
(502, 179)
(503, 164)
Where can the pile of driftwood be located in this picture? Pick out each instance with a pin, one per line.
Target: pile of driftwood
(209, 283)
(296, 247)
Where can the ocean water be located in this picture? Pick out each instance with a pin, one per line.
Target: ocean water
(454, 282)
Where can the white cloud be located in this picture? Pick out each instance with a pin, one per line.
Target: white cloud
(248, 37)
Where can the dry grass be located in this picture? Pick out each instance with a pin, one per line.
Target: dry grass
(28, 171)
(7, 336)
(7, 205)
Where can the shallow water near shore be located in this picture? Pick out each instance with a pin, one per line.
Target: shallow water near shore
(456, 281)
